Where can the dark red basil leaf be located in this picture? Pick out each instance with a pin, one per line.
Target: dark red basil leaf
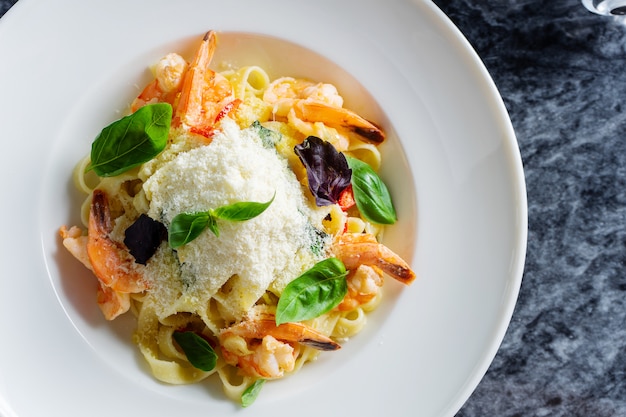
(143, 237)
(326, 169)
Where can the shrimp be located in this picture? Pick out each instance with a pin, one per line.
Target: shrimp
(364, 283)
(310, 111)
(366, 260)
(112, 303)
(165, 88)
(284, 92)
(199, 96)
(110, 261)
(206, 96)
(260, 348)
(319, 102)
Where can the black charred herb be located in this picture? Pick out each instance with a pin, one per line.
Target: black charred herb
(143, 237)
(327, 169)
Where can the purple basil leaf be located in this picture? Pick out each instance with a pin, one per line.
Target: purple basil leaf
(143, 237)
(327, 170)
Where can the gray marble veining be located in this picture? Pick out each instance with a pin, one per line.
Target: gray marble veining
(561, 71)
(562, 74)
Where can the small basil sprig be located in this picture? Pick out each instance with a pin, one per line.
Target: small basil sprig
(252, 392)
(131, 140)
(198, 351)
(185, 227)
(315, 292)
(371, 194)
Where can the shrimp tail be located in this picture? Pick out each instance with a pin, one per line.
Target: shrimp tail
(114, 266)
(311, 111)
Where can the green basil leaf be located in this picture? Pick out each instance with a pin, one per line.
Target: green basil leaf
(131, 140)
(185, 227)
(315, 292)
(198, 351)
(269, 138)
(212, 225)
(241, 211)
(252, 392)
(371, 194)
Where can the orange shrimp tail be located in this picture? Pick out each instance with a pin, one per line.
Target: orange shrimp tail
(355, 249)
(112, 264)
(311, 111)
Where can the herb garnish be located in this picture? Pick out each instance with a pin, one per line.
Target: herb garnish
(269, 137)
(327, 170)
(252, 392)
(371, 194)
(185, 227)
(330, 174)
(143, 237)
(315, 292)
(131, 140)
(198, 351)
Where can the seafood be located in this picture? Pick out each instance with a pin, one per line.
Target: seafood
(110, 261)
(310, 111)
(168, 79)
(260, 348)
(364, 283)
(200, 97)
(75, 243)
(284, 92)
(354, 249)
(111, 302)
(318, 102)
(367, 259)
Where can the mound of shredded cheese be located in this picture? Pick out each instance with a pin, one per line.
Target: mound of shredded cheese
(248, 257)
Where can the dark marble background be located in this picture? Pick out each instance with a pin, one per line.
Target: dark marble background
(561, 71)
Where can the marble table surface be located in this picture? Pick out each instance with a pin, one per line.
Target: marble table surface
(561, 71)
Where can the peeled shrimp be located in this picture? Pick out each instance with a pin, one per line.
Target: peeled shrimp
(260, 348)
(310, 111)
(110, 261)
(364, 283)
(284, 92)
(206, 95)
(112, 303)
(355, 249)
(199, 96)
(311, 102)
(366, 259)
(168, 80)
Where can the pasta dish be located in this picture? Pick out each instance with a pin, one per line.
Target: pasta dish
(239, 219)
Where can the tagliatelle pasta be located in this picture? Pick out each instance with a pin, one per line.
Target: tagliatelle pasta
(217, 241)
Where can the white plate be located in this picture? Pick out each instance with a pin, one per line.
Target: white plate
(69, 67)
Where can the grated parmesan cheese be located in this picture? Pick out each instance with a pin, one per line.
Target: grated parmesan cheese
(248, 257)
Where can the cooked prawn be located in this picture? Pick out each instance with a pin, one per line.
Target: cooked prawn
(112, 303)
(311, 111)
(284, 92)
(206, 96)
(110, 261)
(355, 249)
(199, 96)
(364, 283)
(169, 73)
(318, 102)
(260, 348)
(366, 260)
